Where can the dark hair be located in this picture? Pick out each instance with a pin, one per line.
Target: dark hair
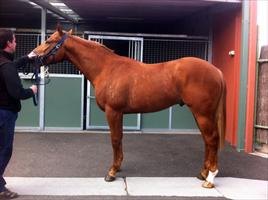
(5, 36)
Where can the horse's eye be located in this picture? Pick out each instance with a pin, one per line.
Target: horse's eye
(47, 42)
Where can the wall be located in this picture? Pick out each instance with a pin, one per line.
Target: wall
(227, 37)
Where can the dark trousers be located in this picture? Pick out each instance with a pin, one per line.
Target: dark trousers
(7, 126)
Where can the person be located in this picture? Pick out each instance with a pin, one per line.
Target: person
(11, 92)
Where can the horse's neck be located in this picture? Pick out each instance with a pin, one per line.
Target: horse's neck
(87, 56)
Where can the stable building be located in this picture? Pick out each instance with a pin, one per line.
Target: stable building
(223, 32)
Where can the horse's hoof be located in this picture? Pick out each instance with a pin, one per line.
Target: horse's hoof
(208, 185)
(109, 178)
(200, 177)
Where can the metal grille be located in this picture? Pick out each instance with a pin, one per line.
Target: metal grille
(161, 50)
(135, 44)
(26, 42)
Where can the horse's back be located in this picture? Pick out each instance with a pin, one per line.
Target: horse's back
(195, 65)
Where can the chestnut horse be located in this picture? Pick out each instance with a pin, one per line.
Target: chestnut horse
(123, 85)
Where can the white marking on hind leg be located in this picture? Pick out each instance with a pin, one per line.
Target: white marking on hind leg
(211, 176)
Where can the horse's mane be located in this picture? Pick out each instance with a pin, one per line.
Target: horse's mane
(95, 43)
(105, 47)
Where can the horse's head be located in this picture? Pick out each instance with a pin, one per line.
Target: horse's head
(51, 50)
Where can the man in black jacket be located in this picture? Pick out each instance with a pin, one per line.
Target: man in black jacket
(11, 92)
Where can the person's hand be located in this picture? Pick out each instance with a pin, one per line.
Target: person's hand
(34, 89)
(32, 55)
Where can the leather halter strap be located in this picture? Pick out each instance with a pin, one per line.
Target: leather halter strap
(53, 51)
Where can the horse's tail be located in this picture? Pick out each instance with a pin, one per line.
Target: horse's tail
(221, 114)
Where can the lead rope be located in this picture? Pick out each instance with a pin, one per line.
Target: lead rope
(36, 79)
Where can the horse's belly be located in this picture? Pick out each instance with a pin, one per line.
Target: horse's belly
(152, 102)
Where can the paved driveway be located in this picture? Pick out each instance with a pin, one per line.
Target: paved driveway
(155, 165)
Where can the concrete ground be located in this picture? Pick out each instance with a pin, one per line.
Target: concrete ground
(156, 166)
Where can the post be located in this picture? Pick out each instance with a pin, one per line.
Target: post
(41, 91)
(251, 78)
(243, 77)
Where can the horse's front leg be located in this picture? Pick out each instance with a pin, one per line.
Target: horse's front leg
(115, 120)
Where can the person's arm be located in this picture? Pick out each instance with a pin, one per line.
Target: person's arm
(22, 61)
(13, 82)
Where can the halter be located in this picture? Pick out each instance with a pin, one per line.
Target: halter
(39, 61)
(52, 52)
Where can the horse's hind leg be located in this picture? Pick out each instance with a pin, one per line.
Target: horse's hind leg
(208, 128)
(204, 171)
(115, 120)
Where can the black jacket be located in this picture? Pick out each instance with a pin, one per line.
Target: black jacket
(11, 89)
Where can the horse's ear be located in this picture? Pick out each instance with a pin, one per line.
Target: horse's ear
(59, 28)
(70, 32)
